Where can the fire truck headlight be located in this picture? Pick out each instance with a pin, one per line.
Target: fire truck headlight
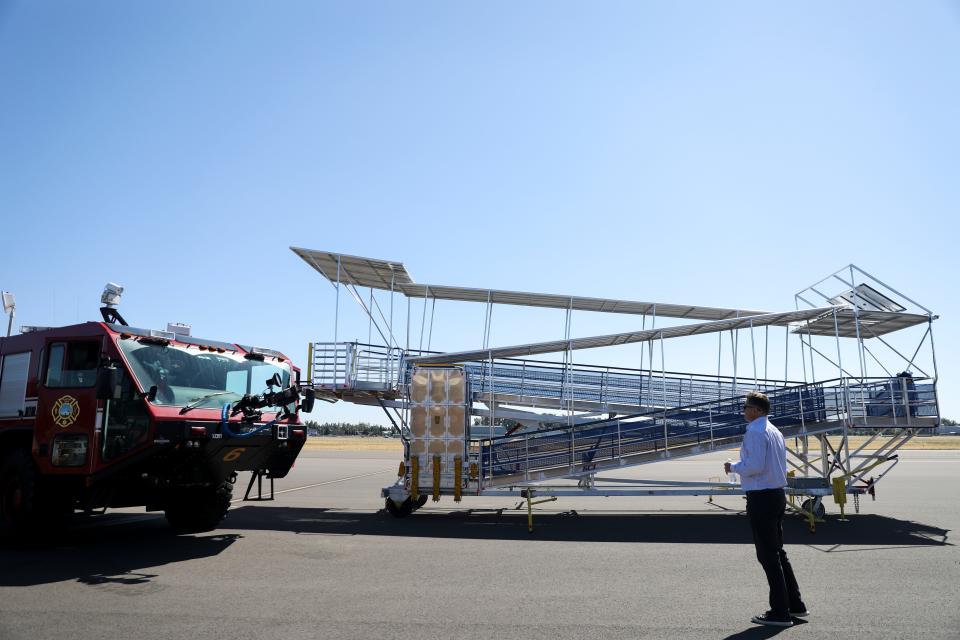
(69, 450)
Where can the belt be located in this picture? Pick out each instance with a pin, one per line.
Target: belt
(756, 491)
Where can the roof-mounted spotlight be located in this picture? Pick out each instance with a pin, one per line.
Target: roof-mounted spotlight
(110, 298)
(10, 308)
(111, 294)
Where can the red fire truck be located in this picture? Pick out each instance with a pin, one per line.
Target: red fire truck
(101, 414)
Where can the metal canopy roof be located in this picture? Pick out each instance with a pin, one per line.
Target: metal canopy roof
(872, 323)
(555, 346)
(378, 274)
(362, 272)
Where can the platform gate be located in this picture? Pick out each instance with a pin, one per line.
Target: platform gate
(438, 431)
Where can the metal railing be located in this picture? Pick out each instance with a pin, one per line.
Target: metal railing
(348, 365)
(604, 386)
(331, 364)
(893, 400)
(355, 365)
(614, 442)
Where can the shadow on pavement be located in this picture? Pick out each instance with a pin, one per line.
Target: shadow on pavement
(757, 632)
(710, 528)
(105, 555)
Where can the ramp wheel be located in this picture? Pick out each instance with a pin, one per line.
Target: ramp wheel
(818, 512)
(399, 511)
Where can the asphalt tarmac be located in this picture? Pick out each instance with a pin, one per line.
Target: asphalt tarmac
(324, 561)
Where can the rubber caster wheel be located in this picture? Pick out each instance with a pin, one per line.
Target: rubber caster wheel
(818, 512)
(399, 511)
(420, 501)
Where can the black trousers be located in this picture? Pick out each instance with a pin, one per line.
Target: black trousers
(765, 509)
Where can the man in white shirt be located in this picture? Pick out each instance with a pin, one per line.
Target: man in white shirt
(763, 475)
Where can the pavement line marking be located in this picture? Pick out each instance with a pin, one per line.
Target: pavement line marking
(320, 484)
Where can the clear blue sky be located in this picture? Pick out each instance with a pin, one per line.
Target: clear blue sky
(722, 154)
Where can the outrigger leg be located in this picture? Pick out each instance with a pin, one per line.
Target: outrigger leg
(529, 494)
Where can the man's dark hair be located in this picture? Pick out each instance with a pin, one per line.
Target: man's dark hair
(759, 400)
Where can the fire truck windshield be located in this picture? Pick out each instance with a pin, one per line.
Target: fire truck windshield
(187, 376)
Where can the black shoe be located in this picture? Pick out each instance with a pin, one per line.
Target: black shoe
(800, 611)
(772, 619)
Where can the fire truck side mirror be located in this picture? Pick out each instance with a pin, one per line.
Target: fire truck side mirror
(108, 383)
(309, 397)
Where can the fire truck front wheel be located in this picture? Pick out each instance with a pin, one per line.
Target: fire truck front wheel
(198, 510)
(17, 493)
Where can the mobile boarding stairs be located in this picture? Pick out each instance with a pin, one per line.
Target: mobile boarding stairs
(494, 422)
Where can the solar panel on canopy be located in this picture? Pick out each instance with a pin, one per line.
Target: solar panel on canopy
(356, 270)
(379, 274)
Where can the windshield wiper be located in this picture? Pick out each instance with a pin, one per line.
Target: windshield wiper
(196, 402)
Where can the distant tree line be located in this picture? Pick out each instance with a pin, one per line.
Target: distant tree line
(315, 428)
(948, 426)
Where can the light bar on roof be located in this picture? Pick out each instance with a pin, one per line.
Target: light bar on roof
(261, 351)
(33, 328)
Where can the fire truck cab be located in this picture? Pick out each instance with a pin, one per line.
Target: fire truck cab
(101, 414)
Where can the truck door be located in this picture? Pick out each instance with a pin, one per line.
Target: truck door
(67, 415)
(126, 422)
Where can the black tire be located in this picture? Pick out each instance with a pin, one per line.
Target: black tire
(818, 513)
(420, 501)
(399, 511)
(18, 484)
(199, 510)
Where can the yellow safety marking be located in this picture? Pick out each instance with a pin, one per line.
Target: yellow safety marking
(415, 477)
(808, 516)
(840, 490)
(402, 471)
(436, 478)
(234, 454)
(840, 493)
(529, 512)
(310, 363)
(474, 471)
(530, 503)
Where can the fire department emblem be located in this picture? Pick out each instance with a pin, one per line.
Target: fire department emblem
(65, 411)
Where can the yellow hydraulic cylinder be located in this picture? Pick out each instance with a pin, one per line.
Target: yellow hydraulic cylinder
(457, 481)
(415, 477)
(436, 478)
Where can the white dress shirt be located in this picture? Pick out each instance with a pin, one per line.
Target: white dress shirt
(763, 457)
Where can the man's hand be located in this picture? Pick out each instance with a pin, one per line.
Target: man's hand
(726, 467)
